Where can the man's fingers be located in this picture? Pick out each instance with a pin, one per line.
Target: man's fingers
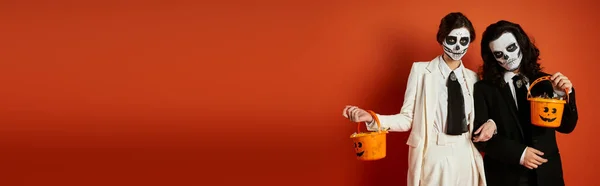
(565, 84)
(532, 165)
(486, 134)
(486, 137)
(553, 77)
(477, 139)
(479, 129)
(482, 137)
(491, 131)
(557, 80)
(560, 82)
(528, 166)
(535, 151)
(540, 159)
(536, 162)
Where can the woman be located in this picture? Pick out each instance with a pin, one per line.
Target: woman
(438, 107)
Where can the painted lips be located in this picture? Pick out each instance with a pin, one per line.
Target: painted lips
(511, 61)
(455, 53)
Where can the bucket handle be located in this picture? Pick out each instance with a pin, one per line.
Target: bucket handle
(374, 116)
(545, 78)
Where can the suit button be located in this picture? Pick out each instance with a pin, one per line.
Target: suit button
(535, 141)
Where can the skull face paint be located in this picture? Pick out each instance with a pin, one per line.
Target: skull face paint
(507, 52)
(456, 43)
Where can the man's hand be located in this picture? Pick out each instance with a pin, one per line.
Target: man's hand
(561, 82)
(532, 158)
(487, 130)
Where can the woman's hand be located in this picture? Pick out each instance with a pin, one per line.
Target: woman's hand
(356, 114)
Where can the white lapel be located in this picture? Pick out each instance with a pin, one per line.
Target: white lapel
(431, 88)
(470, 82)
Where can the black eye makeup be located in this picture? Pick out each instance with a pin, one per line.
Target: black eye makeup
(464, 41)
(512, 47)
(498, 54)
(451, 40)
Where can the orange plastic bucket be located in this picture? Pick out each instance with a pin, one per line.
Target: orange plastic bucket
(370, 145)
(546, 112)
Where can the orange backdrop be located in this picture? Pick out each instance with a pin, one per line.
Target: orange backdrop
(242, 92)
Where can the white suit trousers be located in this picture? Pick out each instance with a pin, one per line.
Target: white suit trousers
(449, 161)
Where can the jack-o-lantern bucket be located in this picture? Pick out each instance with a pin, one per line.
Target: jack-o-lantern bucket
(370, 145)
(546, 112)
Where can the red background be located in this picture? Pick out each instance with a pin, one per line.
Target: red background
(242, 92)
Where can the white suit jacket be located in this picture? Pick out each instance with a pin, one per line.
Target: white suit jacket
(417, 113)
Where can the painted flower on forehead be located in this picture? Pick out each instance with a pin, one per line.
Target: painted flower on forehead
(456, 43)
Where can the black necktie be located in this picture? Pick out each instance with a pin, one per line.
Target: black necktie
(521, 93)
(457, 124)
(523, 106)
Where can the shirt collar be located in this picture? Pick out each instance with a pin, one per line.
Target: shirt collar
(509, 75)
(445, 69)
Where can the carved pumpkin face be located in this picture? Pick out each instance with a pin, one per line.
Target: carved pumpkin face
(548, 113)
(358, 148)
(369, 146)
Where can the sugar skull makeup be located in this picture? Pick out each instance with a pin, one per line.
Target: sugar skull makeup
(507, 52)
(456, 43)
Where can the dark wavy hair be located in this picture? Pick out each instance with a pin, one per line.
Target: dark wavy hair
(491, 69)
(453, 21)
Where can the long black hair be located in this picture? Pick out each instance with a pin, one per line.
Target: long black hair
(491, 69)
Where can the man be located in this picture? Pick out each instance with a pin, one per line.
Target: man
(438, 107)
(521, 153)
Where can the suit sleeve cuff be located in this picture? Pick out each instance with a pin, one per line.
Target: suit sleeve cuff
(495, 131)
(372, 126)
(522, 156)
(561, 93)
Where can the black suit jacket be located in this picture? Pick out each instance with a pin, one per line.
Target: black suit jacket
(503, 151)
